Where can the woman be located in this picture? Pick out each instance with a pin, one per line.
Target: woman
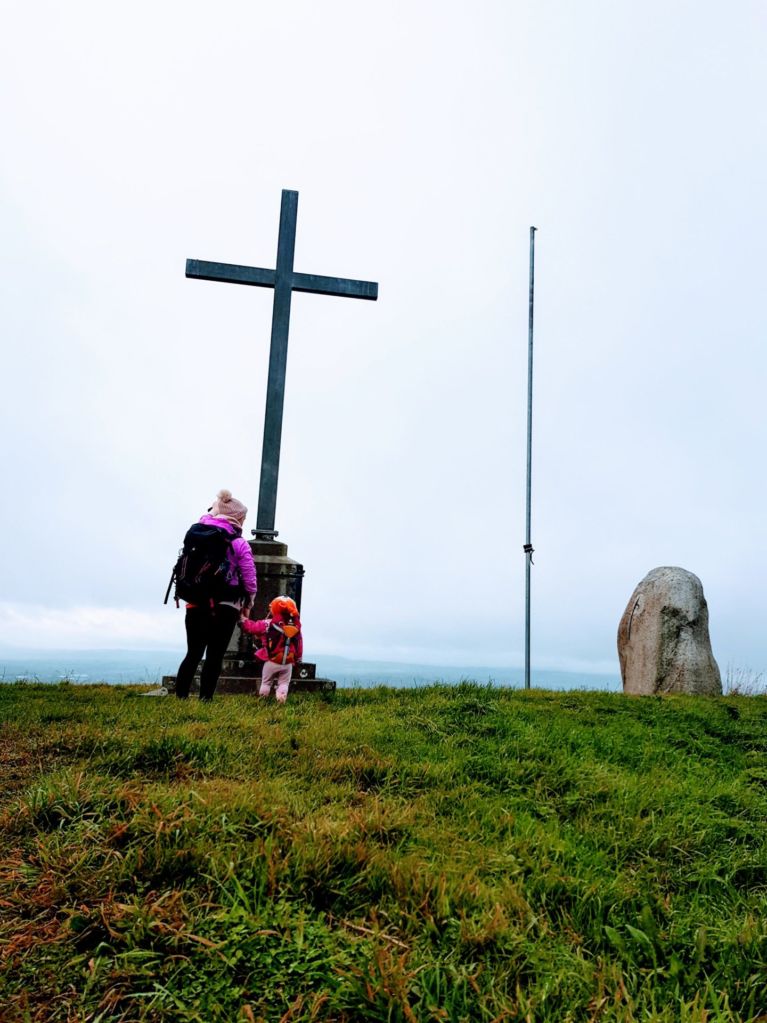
(210, 621)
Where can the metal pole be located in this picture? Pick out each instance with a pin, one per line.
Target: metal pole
(528, 548)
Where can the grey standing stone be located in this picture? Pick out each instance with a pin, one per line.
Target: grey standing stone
(663, 640)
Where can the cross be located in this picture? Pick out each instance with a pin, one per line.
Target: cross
(285, 281)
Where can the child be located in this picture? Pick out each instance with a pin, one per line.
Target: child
(281, 645)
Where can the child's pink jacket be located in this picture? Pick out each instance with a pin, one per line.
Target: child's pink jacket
(281, 651)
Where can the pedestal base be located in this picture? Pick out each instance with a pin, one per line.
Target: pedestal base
(249, 684)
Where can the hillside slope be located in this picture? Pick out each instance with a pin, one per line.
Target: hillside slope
(450, 853)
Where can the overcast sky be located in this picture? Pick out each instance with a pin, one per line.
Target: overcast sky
(424, 139)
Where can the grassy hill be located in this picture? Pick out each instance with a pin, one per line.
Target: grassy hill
(446, 854)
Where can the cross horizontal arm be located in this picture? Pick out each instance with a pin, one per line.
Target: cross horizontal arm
(230, 273)
(335, 286)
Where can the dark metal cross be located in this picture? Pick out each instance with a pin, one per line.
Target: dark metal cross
(285, 281)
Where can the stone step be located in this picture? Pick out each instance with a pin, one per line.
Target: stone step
(253, 668)
(228, 684)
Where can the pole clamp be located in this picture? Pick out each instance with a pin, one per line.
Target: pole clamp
(265, 534)
(528, 549)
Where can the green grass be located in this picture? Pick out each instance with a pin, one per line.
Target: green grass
(447, 854)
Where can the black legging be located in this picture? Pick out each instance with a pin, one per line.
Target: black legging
(208, 631)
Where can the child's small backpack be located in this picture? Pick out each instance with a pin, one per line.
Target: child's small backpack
(281, 639)
(202, 572)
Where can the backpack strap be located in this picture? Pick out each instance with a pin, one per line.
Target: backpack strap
(170, 586)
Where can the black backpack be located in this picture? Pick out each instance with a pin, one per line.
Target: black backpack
(202, 571)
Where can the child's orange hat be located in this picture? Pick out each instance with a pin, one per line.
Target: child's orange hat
(283, 605)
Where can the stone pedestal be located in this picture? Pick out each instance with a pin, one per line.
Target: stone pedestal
(278, 575)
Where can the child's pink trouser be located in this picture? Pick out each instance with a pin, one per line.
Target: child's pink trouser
(276, 674)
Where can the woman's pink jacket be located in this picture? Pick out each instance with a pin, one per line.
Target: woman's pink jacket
(240, 555)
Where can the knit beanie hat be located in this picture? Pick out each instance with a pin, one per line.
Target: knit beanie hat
(227, 507)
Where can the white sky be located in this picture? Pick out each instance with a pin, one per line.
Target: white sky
(424, 138)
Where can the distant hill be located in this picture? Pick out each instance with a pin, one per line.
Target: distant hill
(116, 666)
(369, 673)
(124, 666)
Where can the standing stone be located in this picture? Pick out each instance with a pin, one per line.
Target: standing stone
(663, 640)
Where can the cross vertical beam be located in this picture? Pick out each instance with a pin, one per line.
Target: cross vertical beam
(278, 360)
